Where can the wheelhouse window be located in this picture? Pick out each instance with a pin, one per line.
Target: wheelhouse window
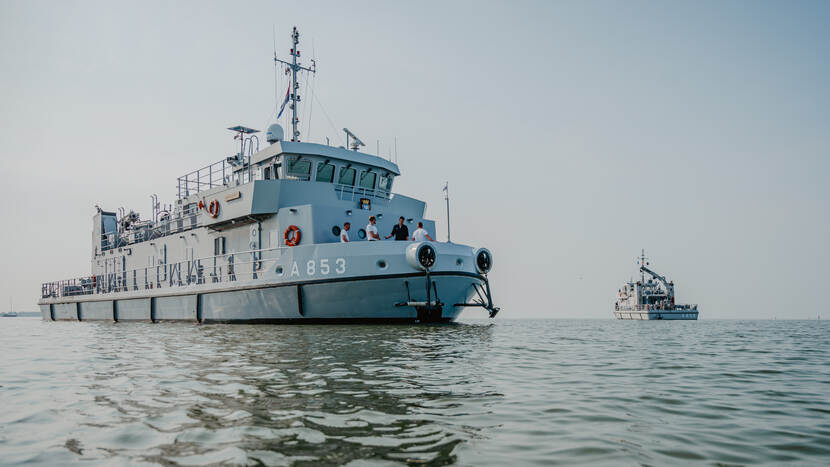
(298, 168)
(367, 180)
(385, 182)
(325, 172)
(347, 176)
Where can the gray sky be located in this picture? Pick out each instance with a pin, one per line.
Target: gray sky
(572, 133)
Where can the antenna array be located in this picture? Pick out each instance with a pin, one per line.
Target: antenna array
(294, 67)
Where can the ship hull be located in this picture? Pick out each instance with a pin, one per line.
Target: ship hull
(373, 299)
(656, 314)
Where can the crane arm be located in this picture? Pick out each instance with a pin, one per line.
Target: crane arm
(656, 276)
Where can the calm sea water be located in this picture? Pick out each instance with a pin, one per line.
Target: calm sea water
(480, 393)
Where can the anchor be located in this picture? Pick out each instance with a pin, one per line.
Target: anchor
(430, 310)
(485, 298)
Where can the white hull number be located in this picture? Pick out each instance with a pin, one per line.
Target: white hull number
(321, 267)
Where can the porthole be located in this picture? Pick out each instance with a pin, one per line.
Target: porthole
(459, 262)
(361, 234)
(335, 230)
(382, 264)
(279, 270)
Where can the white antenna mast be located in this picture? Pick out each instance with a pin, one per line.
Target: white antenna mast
(642, 262)
(447, 197)
(294, 66)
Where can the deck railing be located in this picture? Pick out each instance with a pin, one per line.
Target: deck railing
(691, 307)
(229, 267)
(214, 175)
(188, 219)
(351, 193)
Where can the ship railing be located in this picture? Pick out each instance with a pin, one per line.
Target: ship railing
(230, 267)
(617, 307)
(214, 175)
(187, 219)
(351, 193)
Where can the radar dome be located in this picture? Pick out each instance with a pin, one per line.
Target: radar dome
(274, 133)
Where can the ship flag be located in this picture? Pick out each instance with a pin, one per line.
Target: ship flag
(285, 101)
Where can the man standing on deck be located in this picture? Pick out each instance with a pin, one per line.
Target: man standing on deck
(372, 231)
(421, 234)
(400, 231)
(344, 233)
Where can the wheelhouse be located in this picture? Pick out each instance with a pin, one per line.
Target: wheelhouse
(348, 171)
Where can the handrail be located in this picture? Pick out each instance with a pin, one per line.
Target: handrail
(220, 173)
(169, 226)
(343, 190)
(169, 275)
(689, 307)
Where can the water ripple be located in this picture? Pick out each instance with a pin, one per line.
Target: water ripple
(527, 392)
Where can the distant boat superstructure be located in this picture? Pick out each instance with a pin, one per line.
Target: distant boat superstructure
(11, 313)
(650, 299)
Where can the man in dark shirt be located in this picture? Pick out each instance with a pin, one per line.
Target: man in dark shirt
(399, 231)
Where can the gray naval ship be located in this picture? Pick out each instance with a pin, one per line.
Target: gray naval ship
(255, 238)
(650, 298)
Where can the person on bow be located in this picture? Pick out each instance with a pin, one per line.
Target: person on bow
(421, 234)
(372, 230)
(344, 233)
(399, 231)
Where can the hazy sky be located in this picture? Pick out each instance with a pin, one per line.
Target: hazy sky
(573, 134)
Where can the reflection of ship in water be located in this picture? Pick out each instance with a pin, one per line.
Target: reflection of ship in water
(651, 298)
(324, 395)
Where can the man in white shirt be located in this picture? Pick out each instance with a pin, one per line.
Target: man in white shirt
(372, 231)
(420, 234)
(344, 233)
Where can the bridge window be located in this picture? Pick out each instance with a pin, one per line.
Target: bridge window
(325, 172)
(367, 180)
(385, 182)
(347, 176)
(298, 168)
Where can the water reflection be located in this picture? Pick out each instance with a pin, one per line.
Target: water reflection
(289, 394)
(537, 392)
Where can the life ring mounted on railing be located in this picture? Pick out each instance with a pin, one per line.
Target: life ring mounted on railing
(213, 208)
(292, 235)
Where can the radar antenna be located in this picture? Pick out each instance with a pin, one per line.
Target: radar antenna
(294, 67)
(356, 143)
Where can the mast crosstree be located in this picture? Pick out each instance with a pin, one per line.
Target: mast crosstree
(294, 67)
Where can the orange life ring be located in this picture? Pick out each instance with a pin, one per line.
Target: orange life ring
(292, 235)
(213, 208)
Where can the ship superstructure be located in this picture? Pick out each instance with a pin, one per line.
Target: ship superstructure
(651, 297)
(255, 237)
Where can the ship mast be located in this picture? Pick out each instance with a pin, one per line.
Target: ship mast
(642, 263)
(295, 67)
